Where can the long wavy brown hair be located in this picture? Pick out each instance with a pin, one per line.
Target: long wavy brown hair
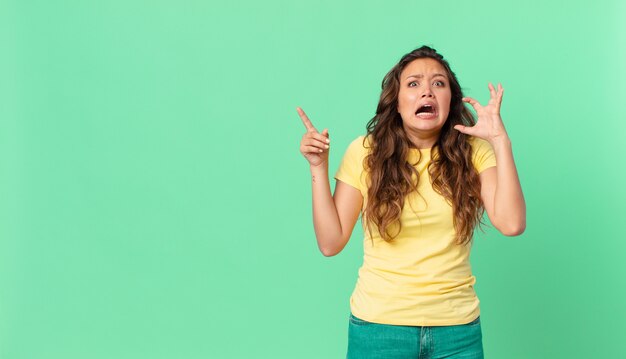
(391, 177)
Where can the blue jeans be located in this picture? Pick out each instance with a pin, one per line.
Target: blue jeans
(373, 341)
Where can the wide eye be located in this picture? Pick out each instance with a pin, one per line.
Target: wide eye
(412, 84)
(439, 83)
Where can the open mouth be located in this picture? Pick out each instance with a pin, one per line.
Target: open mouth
(426, 111)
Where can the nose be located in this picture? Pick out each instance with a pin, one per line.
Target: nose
(427, 92)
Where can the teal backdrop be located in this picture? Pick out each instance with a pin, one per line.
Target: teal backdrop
(154, 202)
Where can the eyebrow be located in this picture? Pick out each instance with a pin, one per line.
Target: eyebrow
(422, 76)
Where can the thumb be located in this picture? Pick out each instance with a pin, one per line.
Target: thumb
(463, 129)
(325, 133)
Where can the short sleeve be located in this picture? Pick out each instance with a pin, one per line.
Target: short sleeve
(483, 156)
(351, 168)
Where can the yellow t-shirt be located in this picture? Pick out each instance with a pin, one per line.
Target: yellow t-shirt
(422, 277)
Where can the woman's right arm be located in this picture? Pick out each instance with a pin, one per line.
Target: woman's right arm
(334, 217)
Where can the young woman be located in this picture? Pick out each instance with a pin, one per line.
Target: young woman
(422, 178)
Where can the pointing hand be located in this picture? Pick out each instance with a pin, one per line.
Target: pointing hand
(314, 146)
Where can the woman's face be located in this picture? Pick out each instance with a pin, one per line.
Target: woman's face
(424, 97)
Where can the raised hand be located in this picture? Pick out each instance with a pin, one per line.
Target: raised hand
(314, 146)
(489, 125)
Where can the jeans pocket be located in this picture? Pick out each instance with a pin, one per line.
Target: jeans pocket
(474, 322)
(358, 321)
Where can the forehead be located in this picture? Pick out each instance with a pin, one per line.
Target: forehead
(423, 67)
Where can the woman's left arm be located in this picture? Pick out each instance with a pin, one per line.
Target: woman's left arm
(500, 186)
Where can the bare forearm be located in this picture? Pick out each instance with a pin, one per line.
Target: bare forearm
(325, 217)
(509, 204)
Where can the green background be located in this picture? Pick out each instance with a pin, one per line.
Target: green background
(154, 203)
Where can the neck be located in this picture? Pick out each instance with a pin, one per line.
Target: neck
(423, 140)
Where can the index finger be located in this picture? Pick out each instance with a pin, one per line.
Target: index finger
(492, 91)
(305, 120)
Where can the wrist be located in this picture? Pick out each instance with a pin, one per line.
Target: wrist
(500, 141)
(319, 169)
